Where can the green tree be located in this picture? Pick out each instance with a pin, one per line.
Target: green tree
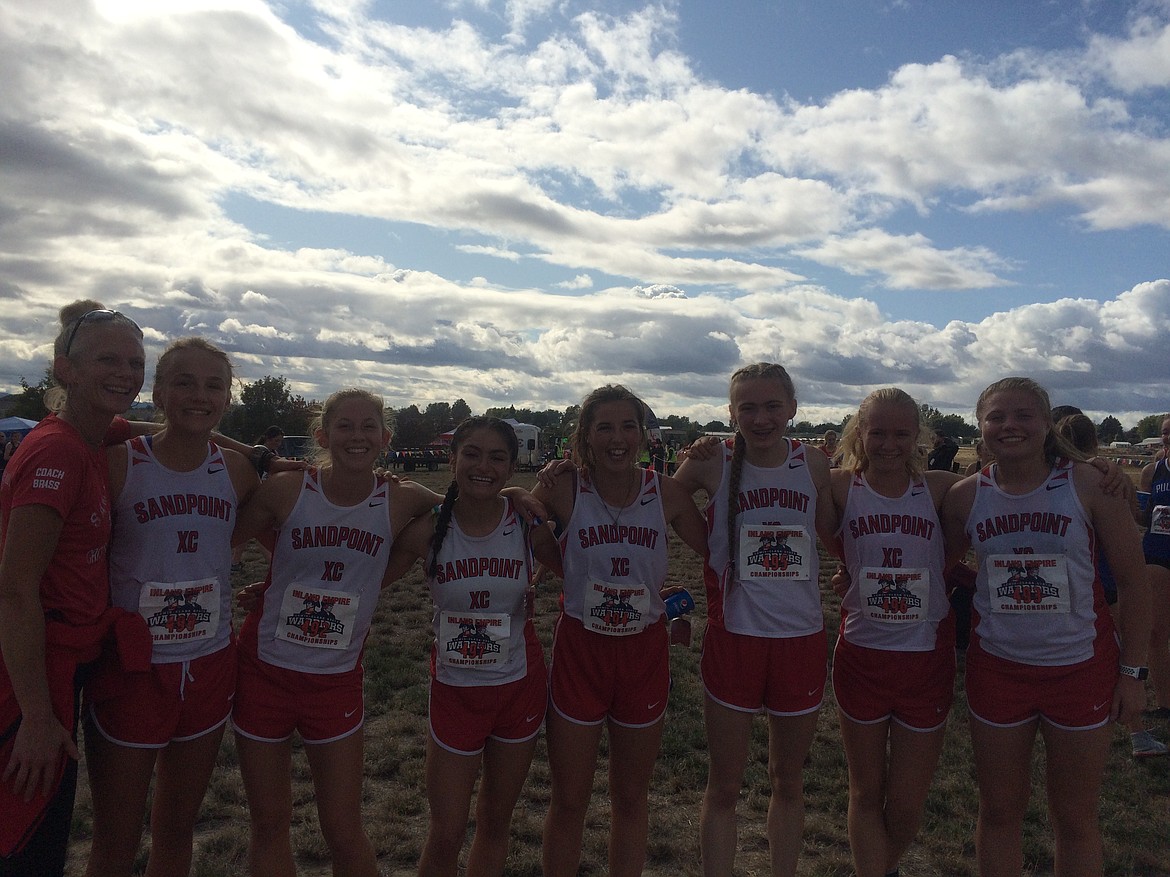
(1149, 426)
(716, 426)
(29, 403)
(411, 429)
(438, 419)
(264, 403)
(460, 411)
(1109, 430)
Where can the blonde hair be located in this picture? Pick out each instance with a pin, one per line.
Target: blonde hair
(71, 316)
(1055, 444)
(166, 363)
(579, 442)
(318, 456)
(852, 443)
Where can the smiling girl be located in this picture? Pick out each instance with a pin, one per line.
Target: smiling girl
(301, 649)
(610, 665)
(175, 497)
(1044, 656)
(488, 682)
(894, 663)
(765, 647)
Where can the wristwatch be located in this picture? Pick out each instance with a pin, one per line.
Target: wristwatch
(1138, 673)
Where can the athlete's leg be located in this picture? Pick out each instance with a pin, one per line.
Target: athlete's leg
(572, 762)
(1159, 654)
(913, 758)
(1003, 770)
(865, 752)
(266, 769)
(450, 779)
(1076, 767)
(789, 739)
(632, 753)
(337, 769)
(728, 739)
(184, 770)
(119, 779)
(505, 768)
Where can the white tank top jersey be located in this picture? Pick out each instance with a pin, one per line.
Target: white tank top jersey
(480, 593)
(171, 551)
(615, 559)
(895, 554)
(1037, 596)
(324, 580)
(774, 591)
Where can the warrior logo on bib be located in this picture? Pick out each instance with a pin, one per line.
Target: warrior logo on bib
(318, 618)
(617, 610)
(1035, 583)
(473, 641)
(180, 610)
(775, 552)
(895, 596)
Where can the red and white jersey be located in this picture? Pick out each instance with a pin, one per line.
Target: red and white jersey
(895, 554)
(171, 551)
(1037, 596)
(773, 591)
(480, 591)
(324, 580)
(615, 559)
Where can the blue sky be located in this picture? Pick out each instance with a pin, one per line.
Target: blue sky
(513, 201)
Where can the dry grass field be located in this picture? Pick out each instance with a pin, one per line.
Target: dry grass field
(1135, 809)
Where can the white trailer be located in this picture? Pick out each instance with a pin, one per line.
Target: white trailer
(531, 449)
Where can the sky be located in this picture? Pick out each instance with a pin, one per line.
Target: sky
(512, 202)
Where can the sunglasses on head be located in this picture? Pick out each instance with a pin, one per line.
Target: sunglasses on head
(101, 315)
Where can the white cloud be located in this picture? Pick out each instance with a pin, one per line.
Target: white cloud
(588, 149)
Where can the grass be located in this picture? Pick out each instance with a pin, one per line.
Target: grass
(1135, 808)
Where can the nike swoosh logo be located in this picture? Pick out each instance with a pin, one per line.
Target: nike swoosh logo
(917, 492)
(651, 706)
(1055, 486)
(351, 712)
(813, 691)
(509, 531)
(1100, 706)
(214, 470)
(531, 718)
(646, 500)
(378, 503)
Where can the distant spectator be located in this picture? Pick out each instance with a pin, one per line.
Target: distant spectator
(942, 455)
(830, 448)
(982, 458)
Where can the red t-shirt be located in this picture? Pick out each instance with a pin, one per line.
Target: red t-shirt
(56, 467)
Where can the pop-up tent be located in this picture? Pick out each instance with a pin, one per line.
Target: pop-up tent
(16, 424)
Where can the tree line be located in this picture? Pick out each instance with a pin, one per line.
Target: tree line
(270, 401)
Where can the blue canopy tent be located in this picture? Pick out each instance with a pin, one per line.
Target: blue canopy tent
(16, 424)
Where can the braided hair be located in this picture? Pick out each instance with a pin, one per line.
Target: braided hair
(754, 371)
(447, 507)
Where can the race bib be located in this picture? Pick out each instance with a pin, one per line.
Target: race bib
(319, 619)
(895, 596)
(616, 610)
(180, 611)
(471, 639)
(1160, 520)
(775, 551)
(1028, 583)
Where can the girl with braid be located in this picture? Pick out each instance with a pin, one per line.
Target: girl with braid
(765, 648)
(488, 679)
